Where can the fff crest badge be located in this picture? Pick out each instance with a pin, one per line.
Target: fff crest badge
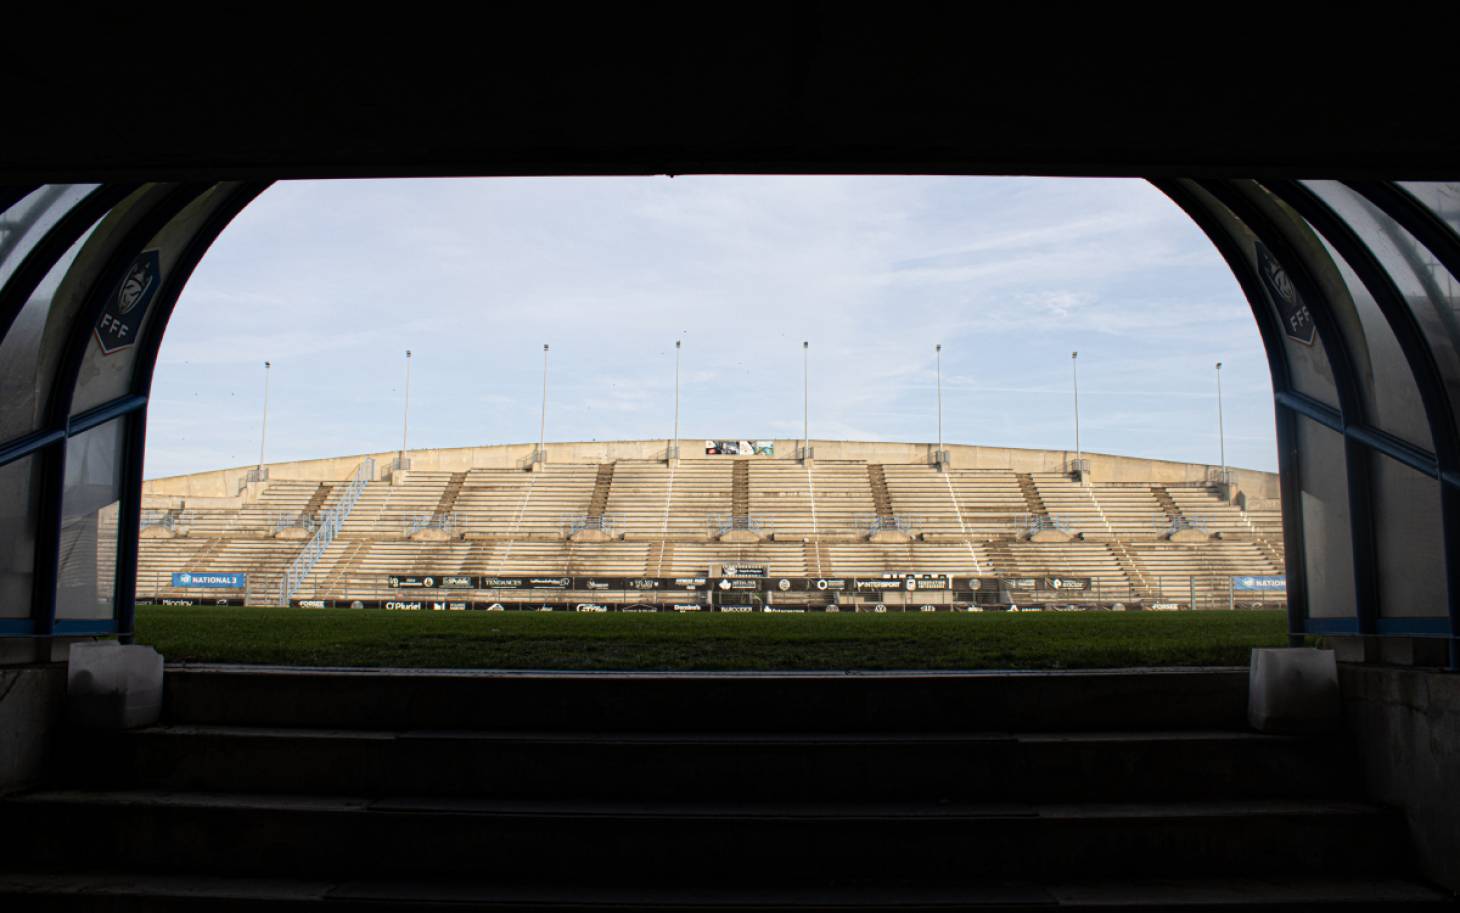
(117, 327)
(1297, 320)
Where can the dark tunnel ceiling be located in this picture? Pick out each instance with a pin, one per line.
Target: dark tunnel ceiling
(644, 90)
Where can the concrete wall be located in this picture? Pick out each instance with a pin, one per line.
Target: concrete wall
(32, 701)
(1406, 725)
(225, 483)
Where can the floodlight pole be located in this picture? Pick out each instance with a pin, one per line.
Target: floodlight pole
(1222, 433)
(542, 423)
(264, 428)
(805, 400)
(1075, 375)
(938, 352)
(405, 425)
(673, 451)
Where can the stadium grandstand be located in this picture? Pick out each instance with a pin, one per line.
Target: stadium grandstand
(725, 525)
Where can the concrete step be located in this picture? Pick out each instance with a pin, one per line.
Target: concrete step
(688, 843)
(1048, 767)
(1127, 700)
(127, 891)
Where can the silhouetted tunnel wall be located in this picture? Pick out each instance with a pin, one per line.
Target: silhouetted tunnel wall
(1352, 284)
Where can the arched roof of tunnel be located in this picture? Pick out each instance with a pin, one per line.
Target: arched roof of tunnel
(1322, 184)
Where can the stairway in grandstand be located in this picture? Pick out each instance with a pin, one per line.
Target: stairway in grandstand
(602, 484)
(881, 497)
(1168, 505)
(316, 501)
(449, 495)
(1033, 501)
(366, 790)
(740, 492)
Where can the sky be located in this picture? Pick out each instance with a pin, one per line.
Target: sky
(332, 281)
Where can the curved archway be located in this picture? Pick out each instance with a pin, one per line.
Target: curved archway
(1348, 282)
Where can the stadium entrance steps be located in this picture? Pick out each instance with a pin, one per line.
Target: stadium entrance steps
(402, 790)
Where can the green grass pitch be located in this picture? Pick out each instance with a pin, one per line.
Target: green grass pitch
(480, 640)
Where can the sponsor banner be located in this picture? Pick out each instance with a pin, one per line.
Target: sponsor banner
(457, 582)
(639, 607)
(525, 583)
(643, 583)
(829, 584)
(743, 570)
(591, 607)
(215, 580)
(740, 448)
(1067, 584)
(785, 609)
(404, 581)
(749, 584)
(737, 608)
(403, 605)
(357, 603)
(449, 605)
(179, 602)
(312, 603)
(879, 584)
(626, 584)
(1020, 583)
(927, 582)
(1267, 584)
(687, 607)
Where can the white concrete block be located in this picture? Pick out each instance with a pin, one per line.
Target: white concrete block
(1293, 690)
(113, 686)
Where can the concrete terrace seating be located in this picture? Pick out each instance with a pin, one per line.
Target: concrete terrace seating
(990, 501)
(513, 522)
(263, 560)
(386, 510)
(639, 497)
(1174, 571)
(1074, 505)
(1063, 559)
(923, 493)
(1131, 511)
(851, 559)
(701, 489)
(1205, 508)
(821, 499)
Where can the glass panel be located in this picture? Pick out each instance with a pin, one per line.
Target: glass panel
(1411, 541)
(1442, 199)
(1432, 293)
(1327, 538)
(23, 225)
(25, 377)
(86, 587)
(106, 369)
(1307, 361)
(1391, 397)
(19, 483)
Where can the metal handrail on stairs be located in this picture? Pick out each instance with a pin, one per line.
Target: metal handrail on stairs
(329, 526)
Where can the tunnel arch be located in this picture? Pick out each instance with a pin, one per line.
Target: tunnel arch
(1343, 278)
